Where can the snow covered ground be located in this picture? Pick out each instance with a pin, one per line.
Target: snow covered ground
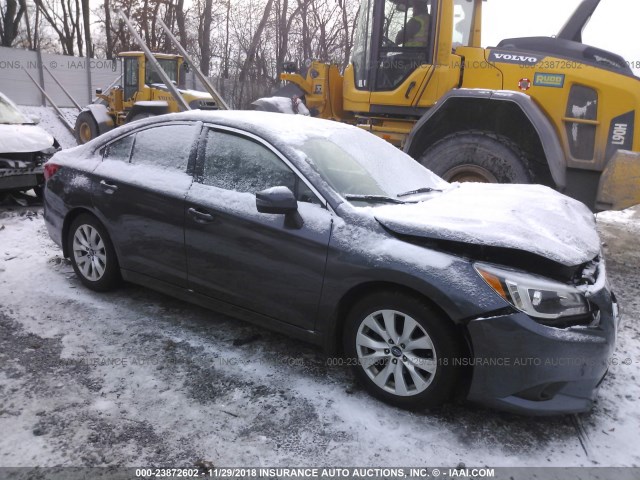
(134, 377)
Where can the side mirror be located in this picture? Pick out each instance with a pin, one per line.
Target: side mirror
(276, 200)
(35, 119)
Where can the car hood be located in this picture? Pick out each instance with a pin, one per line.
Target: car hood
(529, 218)
(23, 138)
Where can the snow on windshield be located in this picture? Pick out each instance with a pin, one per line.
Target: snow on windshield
(355, 162)
(9, 113)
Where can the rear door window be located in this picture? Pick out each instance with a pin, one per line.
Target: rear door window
(119, 150)
(167, 146)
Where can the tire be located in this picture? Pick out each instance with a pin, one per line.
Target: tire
(86, 128)
(430, 384)
(92, 254)
(474, 156)
(39, 191)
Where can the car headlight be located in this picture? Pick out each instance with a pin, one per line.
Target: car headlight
(536, 296)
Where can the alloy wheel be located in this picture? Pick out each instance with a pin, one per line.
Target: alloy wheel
(396, 352)
(89, 252)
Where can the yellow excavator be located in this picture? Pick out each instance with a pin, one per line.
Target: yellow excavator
(548, 110)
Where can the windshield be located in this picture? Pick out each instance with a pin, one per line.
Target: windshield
(170, 67)
(9, 113)
(357, 164)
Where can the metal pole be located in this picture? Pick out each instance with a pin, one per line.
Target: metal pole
(89, 85)
(154, 63)
(66, 92)
(204, 80)
(62, 117)
(40, 63)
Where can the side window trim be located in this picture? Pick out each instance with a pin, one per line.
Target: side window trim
(264, 143)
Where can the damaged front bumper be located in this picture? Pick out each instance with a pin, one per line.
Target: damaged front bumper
(522, 366)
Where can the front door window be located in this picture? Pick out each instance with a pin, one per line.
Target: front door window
(404, 41)
(130, 77)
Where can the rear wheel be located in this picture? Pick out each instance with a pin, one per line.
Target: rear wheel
(402, 350)
(92, 254)
(481, 157)
(86, 128)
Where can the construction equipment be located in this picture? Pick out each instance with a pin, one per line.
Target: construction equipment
(150, 88)
(531, 110)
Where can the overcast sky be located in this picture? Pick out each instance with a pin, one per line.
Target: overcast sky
(615, 25)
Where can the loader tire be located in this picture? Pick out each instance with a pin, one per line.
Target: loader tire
(476, 156)
(86, 128)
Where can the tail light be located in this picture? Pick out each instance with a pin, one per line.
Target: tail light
(50, 169)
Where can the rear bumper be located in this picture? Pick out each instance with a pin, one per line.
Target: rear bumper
(524, 367)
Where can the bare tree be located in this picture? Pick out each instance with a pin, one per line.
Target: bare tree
(181, 22)
(63, 16)
(10, 17)
(86, 13)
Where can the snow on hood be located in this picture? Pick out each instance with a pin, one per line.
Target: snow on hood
(530, 218)
(23, 138)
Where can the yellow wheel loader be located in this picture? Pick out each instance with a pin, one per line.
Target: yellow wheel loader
(143, 93)
(149, 87)
(546, 110)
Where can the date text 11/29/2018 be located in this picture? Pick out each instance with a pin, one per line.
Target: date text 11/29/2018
(319, 473)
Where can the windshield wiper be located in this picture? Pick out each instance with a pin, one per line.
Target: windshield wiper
(419, 190)
(374, 199)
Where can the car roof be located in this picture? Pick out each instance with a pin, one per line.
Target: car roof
(285, 127)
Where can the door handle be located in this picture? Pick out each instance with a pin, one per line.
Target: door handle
(200, 217)
(108, 187)
(412, 85)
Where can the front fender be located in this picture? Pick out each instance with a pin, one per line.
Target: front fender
(453, 99)
(101, 115)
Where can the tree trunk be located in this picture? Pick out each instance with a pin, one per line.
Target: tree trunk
(205, 49)
(10, 22)
(180, 20)
(107, 29)
(86, 13)
(253, 46)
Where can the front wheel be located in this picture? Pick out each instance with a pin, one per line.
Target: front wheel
(86, 128)
(475, 156)
(92, 254)
(402, 350)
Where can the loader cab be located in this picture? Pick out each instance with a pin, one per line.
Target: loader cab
(139, 75)
(399, 43)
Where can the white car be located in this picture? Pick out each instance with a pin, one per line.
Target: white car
(24, 148)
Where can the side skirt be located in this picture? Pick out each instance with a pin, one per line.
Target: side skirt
(228, 309)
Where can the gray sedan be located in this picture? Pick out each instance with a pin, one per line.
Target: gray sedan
(430, 291)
